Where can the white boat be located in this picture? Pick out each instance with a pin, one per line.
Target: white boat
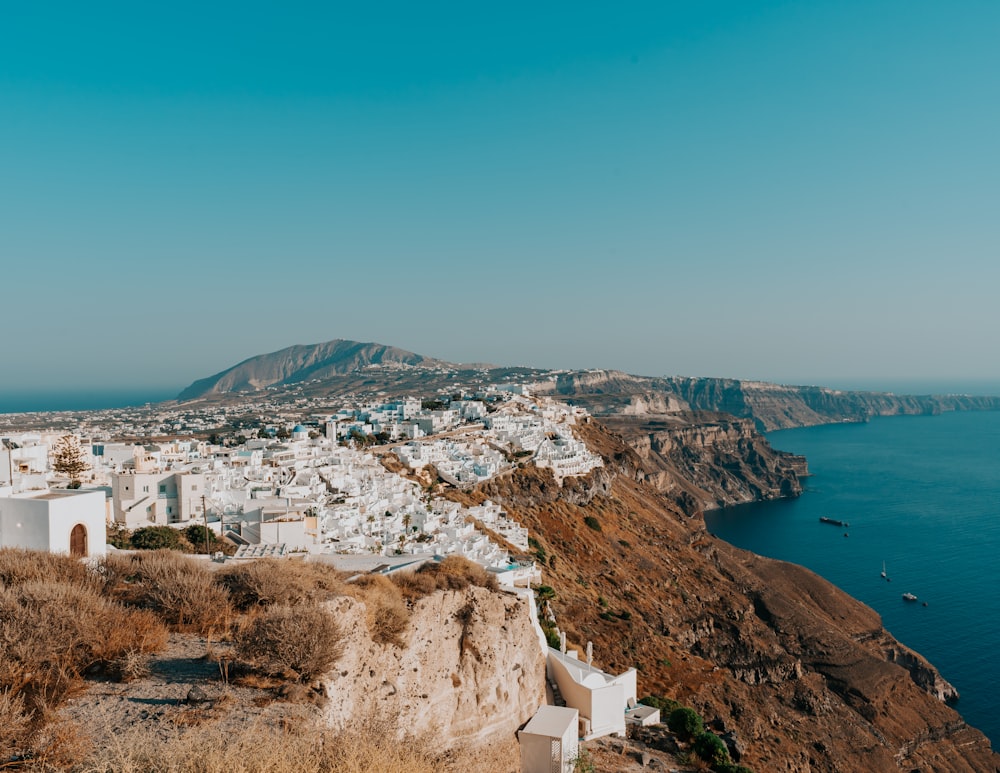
(883, 569)
(909, 597)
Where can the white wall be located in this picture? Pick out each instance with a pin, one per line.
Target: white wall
(43, 520)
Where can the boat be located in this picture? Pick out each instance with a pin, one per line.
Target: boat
(909, 597)
(833, 521)
(884, 577)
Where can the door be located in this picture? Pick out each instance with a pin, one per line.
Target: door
(78, 541)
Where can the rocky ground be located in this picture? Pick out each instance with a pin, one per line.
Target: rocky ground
(187, 684)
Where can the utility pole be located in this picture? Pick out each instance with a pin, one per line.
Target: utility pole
(204, 513)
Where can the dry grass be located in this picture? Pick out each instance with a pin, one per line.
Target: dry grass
(180, 591)
(387, 615)
(269, 581)
(305, 640)
(20, 566)
(453, 573)
(372, 745)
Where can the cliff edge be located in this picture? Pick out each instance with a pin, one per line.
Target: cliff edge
(803, 675)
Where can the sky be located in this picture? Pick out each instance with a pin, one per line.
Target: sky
(803, 192)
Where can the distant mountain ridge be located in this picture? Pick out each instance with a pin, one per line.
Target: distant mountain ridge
(771, 406)
(341, 366)
(304, 362)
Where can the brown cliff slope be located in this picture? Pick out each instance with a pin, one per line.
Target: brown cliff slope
(805, 675)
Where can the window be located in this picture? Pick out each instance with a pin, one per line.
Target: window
(194, 488)
(163, 489)
(145, 489)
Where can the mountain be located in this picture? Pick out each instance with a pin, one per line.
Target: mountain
(300, 363)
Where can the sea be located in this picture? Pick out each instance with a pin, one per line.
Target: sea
(38, 400)
(922, 495)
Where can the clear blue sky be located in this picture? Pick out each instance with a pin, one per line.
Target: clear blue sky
(790, 191)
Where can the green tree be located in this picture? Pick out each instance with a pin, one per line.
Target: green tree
(155, 538)
(711, 748)
(199, 536)
(68, 459)
(686, 722)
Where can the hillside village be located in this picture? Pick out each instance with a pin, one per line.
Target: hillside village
(355, 488)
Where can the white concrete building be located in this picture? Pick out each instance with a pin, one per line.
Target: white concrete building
(56, 521)
(602, 699)
(549, 742)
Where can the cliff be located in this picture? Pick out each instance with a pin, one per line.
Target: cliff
(472, 669)
(703, 461)
(804, 676)
(770, 406)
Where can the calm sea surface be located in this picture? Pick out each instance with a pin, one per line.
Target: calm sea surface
(80, 400)
(921, 493)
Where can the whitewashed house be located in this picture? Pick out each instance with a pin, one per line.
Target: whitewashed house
(549, 742)
(56, 521)
(602, 699)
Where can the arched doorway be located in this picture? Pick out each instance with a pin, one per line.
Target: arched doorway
(78, 541)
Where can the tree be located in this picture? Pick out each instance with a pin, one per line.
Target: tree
(687, 723)
(711, 748)
(155, 538)
(68, 459)
(199, 536)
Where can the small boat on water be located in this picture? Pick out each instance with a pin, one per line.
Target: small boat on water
(909, 597)
(833, 521)
(884, 575)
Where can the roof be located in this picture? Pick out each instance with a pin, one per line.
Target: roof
(552, 721)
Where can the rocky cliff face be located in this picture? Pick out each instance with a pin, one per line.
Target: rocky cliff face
(803, 675)
(705, 461)
(770, 406)
(472, 669)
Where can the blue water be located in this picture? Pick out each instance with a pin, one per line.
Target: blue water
(921, 493)
(80, 400)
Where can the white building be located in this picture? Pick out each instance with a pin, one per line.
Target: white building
(549, 742)
(56, 521)
(602, 699)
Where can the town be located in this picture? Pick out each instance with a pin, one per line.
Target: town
(358, 488)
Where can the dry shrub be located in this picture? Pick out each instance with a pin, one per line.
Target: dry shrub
(15, 725)
(130, 666)
(304, 639)
(270, 581)
(179, 590)
(387, 615)
(51, 634)
(453, 573)
(19, 566)
(415, 585)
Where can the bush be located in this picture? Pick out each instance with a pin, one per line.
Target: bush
(302, 639)
(196, 534)
(687, 723)
(51, 633)
(279, 581)
(156, 538)
(180, 591)
(453, 573)
(592, 522)
(18, 566)
(665, 705)
(711, 748)
(545, 593)
(386, 612)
